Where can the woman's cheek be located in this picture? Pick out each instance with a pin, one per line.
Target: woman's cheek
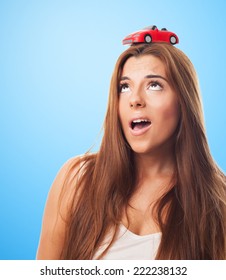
(168, 114)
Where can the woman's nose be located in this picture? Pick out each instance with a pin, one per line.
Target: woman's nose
(137, 101)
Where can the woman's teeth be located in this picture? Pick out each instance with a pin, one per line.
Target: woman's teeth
(140, 123)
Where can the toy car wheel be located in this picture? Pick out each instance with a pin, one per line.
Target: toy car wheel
(173, 40)
(147, 39)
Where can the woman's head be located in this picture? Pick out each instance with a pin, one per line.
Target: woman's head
(149, 110)
(180, 77)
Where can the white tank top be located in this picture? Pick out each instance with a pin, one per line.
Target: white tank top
(130, 246)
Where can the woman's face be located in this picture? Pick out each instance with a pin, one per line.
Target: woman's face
(148, 106)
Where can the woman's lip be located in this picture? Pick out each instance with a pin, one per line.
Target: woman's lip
(140, 131)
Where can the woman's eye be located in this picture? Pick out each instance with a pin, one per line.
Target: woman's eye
(155, 86)
(124, 88)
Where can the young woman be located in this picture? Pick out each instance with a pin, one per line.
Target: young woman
(152, 191)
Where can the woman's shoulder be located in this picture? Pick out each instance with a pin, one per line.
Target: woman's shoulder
(59, 201)
(73, 164)
(69, 172)
(68, 169)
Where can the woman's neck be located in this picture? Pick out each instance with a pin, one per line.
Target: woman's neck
(153, 165)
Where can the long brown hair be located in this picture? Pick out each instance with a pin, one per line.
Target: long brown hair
(195, 224)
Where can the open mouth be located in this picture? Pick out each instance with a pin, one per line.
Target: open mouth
(140, 124)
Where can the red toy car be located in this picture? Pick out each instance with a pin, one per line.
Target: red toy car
(151, 34)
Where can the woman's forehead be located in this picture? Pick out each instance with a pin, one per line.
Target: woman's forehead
(143, 65)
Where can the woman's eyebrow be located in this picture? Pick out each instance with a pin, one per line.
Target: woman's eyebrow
(155, 76)
(146, 77)
(124, 78)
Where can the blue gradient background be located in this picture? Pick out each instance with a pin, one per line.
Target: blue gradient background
(56, 60)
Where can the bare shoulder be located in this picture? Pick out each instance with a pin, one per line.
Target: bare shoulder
(63, 185)
(56, 210)
(68, 170)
